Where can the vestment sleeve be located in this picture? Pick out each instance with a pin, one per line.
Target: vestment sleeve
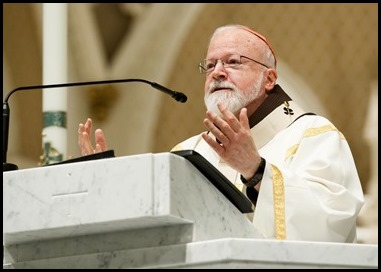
(313, 193)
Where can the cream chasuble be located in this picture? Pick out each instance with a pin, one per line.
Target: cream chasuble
(310, 188)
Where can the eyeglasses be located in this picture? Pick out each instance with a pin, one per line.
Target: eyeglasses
(232, 61)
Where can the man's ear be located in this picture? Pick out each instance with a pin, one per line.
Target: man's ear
(271, 77)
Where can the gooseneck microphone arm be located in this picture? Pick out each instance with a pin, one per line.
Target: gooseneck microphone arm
(178, 96)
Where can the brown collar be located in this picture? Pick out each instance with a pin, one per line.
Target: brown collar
(276, 97)
(276, 113)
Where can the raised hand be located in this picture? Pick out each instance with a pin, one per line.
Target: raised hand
(235, 144)
(84, 140)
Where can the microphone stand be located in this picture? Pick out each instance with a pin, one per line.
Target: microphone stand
(6, 112)
(178, 96)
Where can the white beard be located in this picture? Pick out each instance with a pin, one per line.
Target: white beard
(234, 100)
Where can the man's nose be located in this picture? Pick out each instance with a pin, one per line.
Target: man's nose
(219, 69)
(219, 64)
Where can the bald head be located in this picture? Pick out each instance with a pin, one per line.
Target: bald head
(249, 40)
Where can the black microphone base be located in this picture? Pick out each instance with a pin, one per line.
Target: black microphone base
(9, 167)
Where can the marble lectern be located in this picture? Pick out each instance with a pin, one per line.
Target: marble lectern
(143, 211)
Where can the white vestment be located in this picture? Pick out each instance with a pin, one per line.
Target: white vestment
(310, 188)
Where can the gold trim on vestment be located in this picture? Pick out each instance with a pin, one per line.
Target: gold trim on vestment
(279, 204)
(312, 132)
(320, 130)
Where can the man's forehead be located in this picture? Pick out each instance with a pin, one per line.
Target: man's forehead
(232, 42)
(241, 38)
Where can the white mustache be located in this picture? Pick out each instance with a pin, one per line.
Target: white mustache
(214, 85)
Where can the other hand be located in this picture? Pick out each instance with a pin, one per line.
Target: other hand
(84, 140)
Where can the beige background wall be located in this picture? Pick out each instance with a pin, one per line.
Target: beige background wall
(328, 52)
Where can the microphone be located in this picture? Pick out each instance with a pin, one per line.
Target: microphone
(178, 96)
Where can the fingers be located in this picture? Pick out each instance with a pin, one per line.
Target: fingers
(230, 118)
(84, 140)
(215, 145)
(243, 119)
(88, 125)
(224, 128)
(231, 132)
(85, 127)
(87, 148)
(100, 141)
(234, 144)
(217, 131)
